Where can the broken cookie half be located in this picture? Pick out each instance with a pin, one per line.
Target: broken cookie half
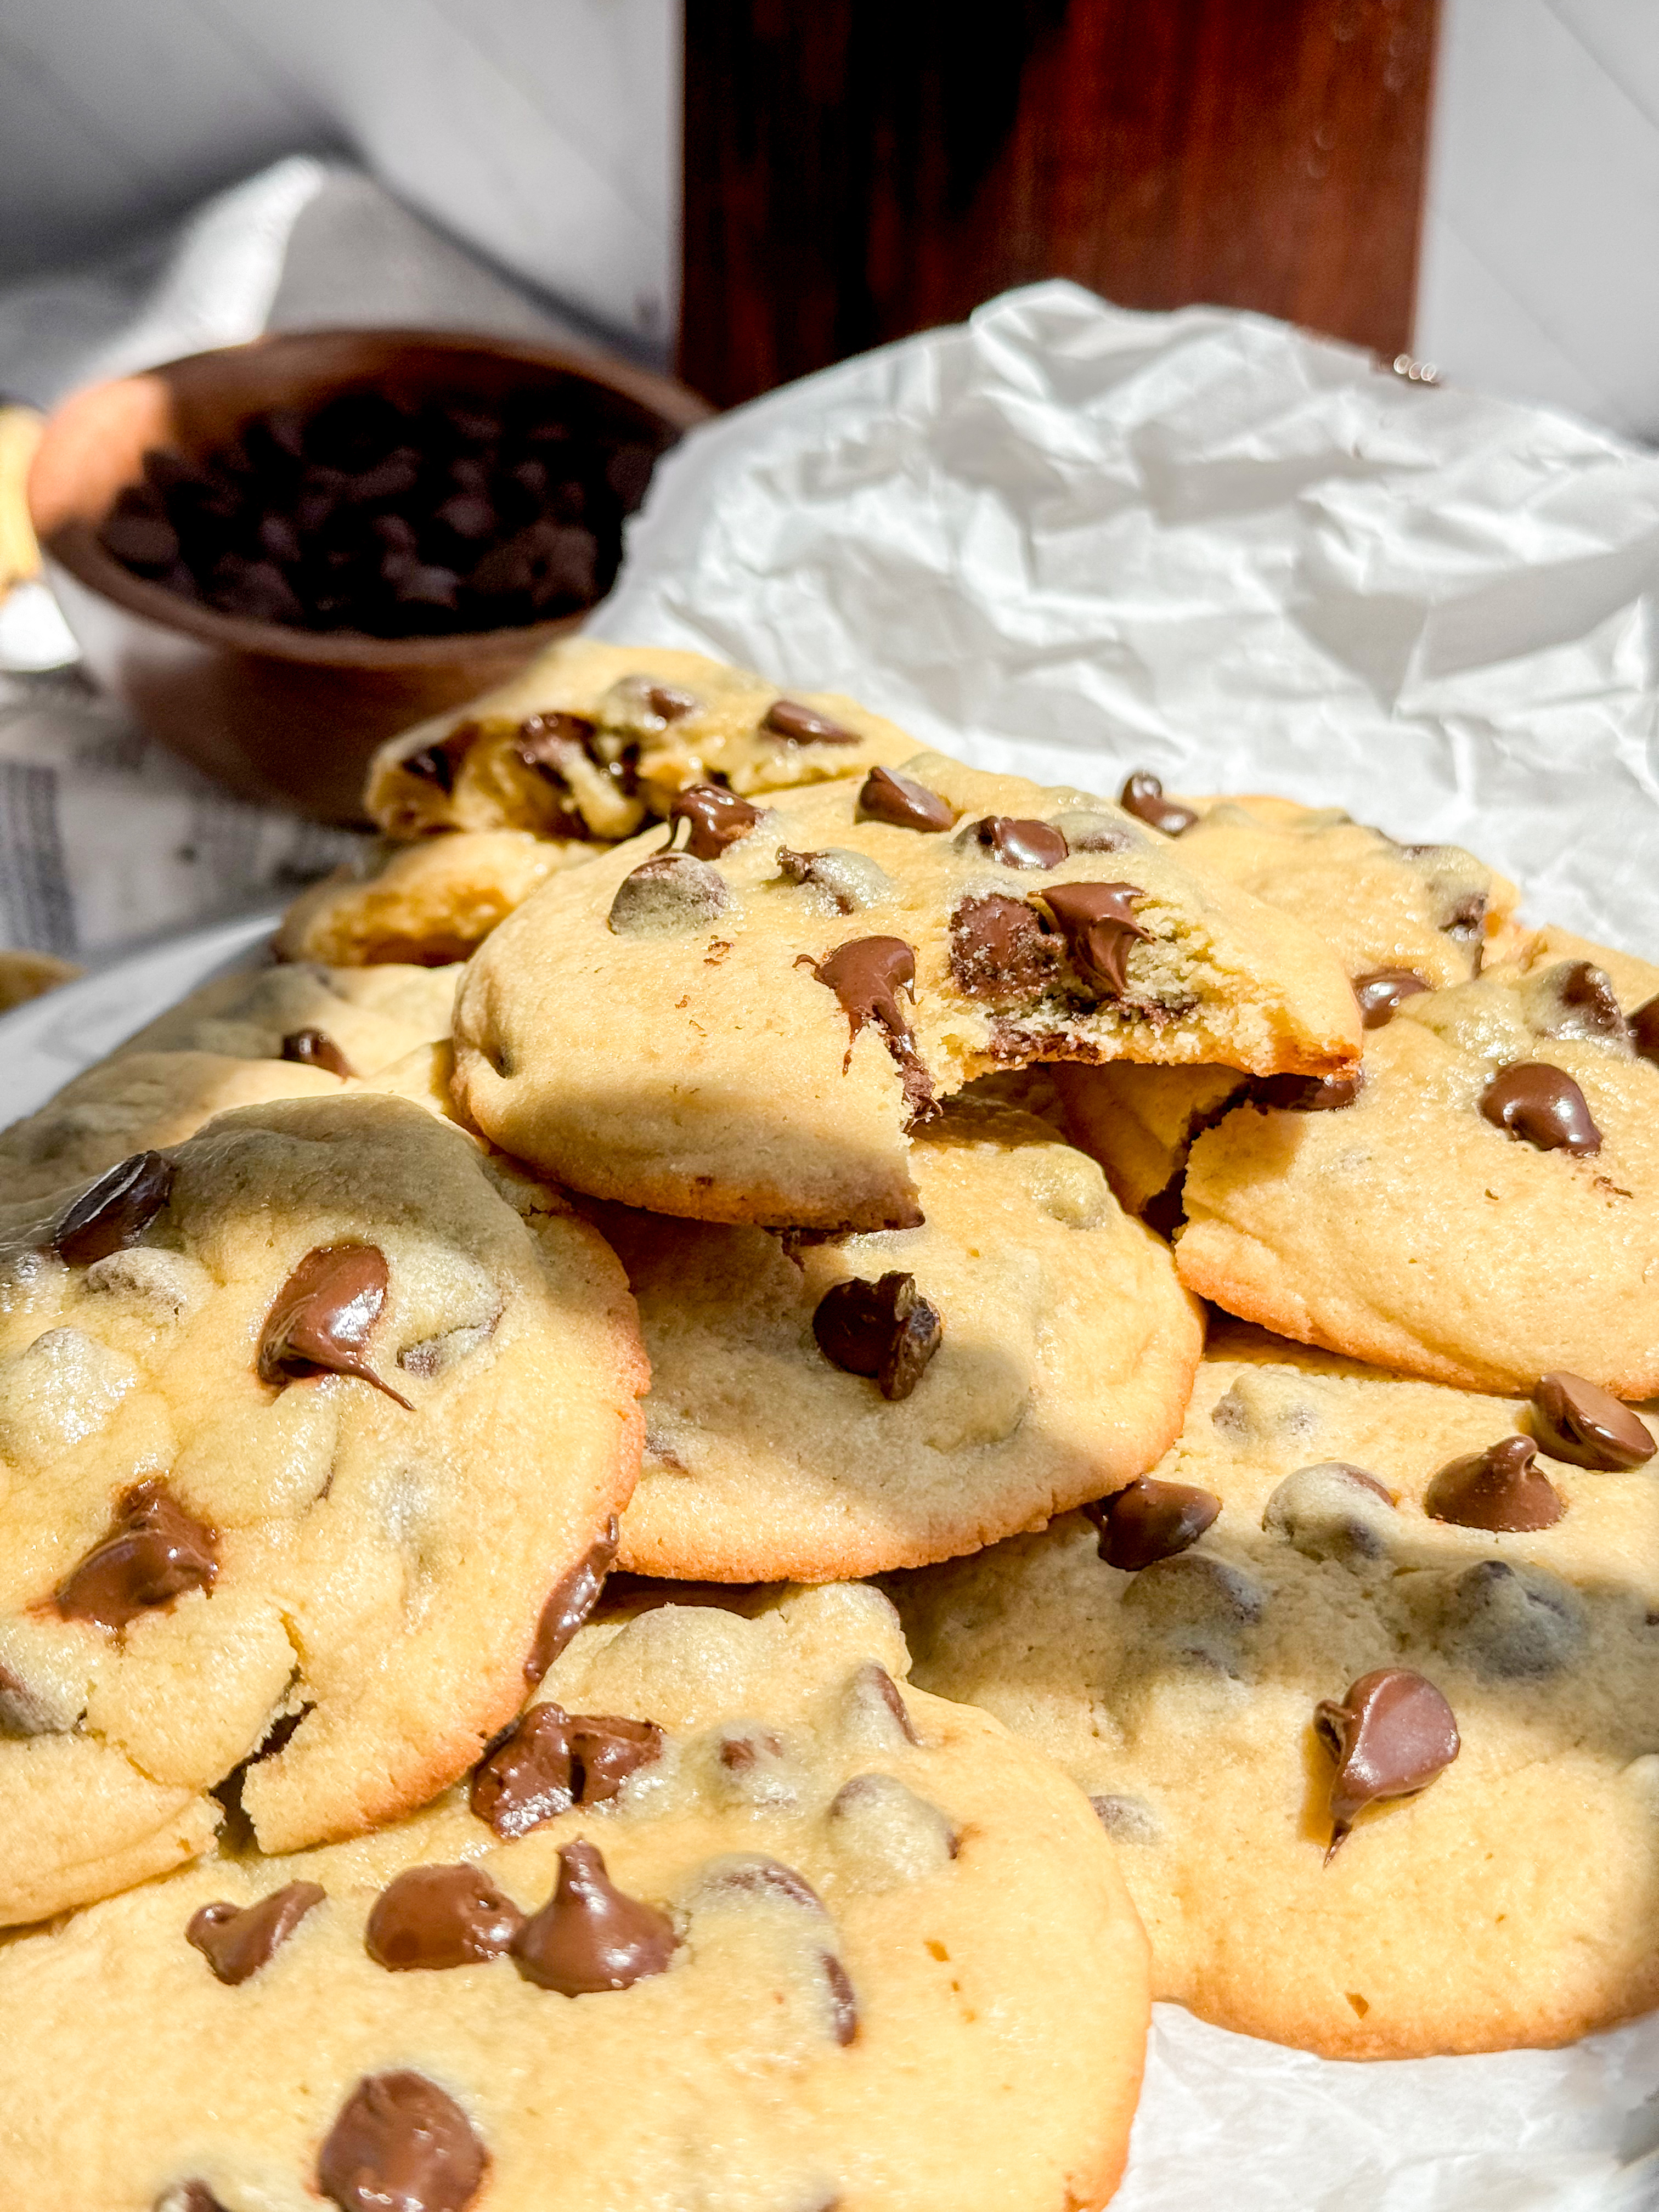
(741, 1018)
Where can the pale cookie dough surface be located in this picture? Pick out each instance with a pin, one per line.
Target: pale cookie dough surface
(1515, 1900)
(1066, 1353)
(371, 1016)
(615, 760)
(139, 1102)
(707, 1071)
(377, 1571)
(1430, 908)
(428, 904)
(993, 1975)
(1408, 1230)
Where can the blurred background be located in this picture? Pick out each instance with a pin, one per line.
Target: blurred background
(747, 189)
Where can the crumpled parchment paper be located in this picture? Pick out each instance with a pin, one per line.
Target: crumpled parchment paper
(1071, 540)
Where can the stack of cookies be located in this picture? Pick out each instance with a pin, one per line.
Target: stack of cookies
(812, 1197)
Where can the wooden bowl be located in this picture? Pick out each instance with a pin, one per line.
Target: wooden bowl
(290, 717)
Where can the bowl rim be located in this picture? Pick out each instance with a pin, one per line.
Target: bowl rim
(73, 548)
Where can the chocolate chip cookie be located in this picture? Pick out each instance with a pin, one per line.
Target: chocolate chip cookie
(350, 1021)
(1483, 1207)
(820, 1410)
(299, 1425)
(595, 740)
(430, 903)
(1364, 1682)
(740, 1020)
(731, 1918)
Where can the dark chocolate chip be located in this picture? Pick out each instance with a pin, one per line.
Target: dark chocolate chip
(887, 796)
(1498, 1488)
(545, 741)
(321, 1319)
(867, 975)
(589, 1936)
(154, 1551)
(314, 1048)
(670, 704)
(804, 725)
(998, 949)
(605, 1749)
(843, 2004)
(236, 1941)
(115, 1211)
(713, 819)
(882, 1329)
(436, 1916)
(1466, 923)
(439, 761)
(1382, 993)
(1306, 1094)
(1579, 1422)
(1390, 1736)
(1097, 923)
(1018, 844)
(553, 1760)
(1544, 1106)
(570, 1600)
(1644, 1031)
(1149, 1520)
(401, 2144)
(1143, 795)
(1589, 1008)
(670, 895)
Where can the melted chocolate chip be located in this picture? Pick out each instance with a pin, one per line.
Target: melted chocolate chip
(544, 741)
(671, 704)
(1389, 1737)
(605, 1749)
(1544, 1106)
(1498, 1488)
(882, 1329)
(1306, 1094)
(843, 2005)
(1589, 1006)
(867, 975)
(1143, 795)
(400, 2144)
(998, 949)
(314, 1048)
(438, 763)
(321, 1319)
(1382, 994)
(115, 1211)
(886, 796)
(553, 1760)
(590, 1936)
(1149, 1520)
(237, 1940)
(1467, 922)
(1018, 844)
(804, 725)
(1644, 1031)
(435, 1916)
(1098, 925)
(570, 1600)
(715, 819)
(155, 1551)
(1579, 1422)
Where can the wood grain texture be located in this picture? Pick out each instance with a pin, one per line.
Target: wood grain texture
(854, 171)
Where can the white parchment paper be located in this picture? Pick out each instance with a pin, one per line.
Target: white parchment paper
(1074, 541)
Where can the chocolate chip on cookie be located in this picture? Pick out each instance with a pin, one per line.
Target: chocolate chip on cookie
(999, 948)
(1383, 992)
(1580, 1422)
(1585, 1004)
(314, 1048)
(669, 896)
(322, 1315)
(883, 1329)
(400, 2141)
(804, 725)
(1143, 795)
(188, 2197)
(867, 975)
(1148, 1520)
(570, 1600)
(115, 1211)
(433, 1918)
(1544, 1106)
(1500, 1488)
(715, 819)
(1513, 1622)
(1644, 1031)
(1098, 924)
(153, 1552)
(553, 1760)
(849, 880)
(590, 1936)
(1306, 1094)
(887, 796)
(236, 1941)
(1390, 1736)
(544, 741)
(1019, 843)
(843, 2004)
(437, 763)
